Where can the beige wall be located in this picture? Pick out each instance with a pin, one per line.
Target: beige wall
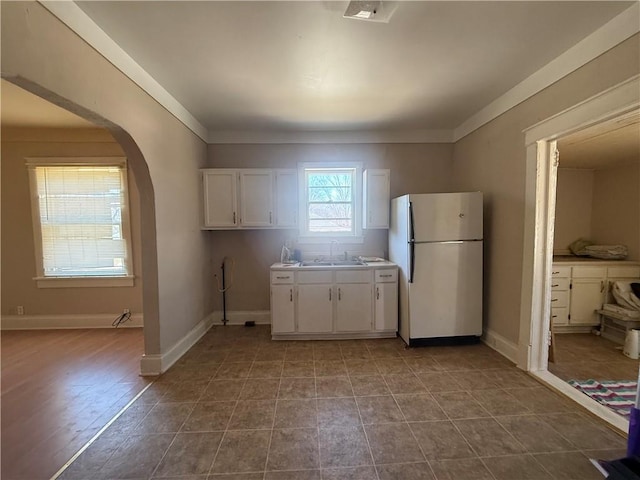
(574, 197)
(18, 255)
(492, 159)
(41, 54)
(415, 168)
(616, 208)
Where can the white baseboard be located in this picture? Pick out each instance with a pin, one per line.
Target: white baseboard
(152, 365)
(63, 321)
(501, 345)
(238, 317)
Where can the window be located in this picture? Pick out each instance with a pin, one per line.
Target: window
(81, 224)
(330, 201)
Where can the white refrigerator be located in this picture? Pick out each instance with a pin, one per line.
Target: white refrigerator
(436, 240)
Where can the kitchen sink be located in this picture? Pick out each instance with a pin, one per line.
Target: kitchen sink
(335, 263)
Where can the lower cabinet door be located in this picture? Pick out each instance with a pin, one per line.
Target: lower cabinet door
(386, 306)
(315, 308)
(353, 311)
(282, 309)
(586, 298)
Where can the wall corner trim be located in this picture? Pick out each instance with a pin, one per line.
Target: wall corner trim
(500, 344)
(155, 364)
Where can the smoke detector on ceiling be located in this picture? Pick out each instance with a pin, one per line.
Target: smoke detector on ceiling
(370, 11)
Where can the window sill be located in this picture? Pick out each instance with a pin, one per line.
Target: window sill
(81, 282)
(356, 240)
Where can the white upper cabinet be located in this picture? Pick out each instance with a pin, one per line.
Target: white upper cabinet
(286, 188)
(253, 198)
(220, 198)
(376, 198)
(256, 198)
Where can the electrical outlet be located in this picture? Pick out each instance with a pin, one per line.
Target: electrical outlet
(20, 310)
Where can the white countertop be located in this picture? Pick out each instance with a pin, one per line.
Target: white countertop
(298, 266)
(576, 260)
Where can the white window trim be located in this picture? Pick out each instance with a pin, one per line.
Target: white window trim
(43, 281)
(323, 238)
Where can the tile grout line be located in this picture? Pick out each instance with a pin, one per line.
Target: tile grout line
(98, 433)
(364, 430)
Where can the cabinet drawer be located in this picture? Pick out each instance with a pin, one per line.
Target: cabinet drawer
(386, 275)
(559, 299)
(324, 276)
(560, 284)
(281, 277)
(560, 315)
(627, 271)
(557, 271)
(353, 276)
(589, 272)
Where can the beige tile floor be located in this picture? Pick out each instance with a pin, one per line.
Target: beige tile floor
(239, 406)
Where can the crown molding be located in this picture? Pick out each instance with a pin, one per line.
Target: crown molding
(74, 17)
(347, 136)
(605, 38)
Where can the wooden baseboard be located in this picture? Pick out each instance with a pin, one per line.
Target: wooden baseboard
(501, 345)
(239, 317)
(152, 365)
(67, 321)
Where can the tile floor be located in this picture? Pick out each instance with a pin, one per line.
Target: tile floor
(581, 356)
(239, 406)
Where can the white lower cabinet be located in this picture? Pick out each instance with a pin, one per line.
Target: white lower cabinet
(578, 290)
(351, 314)
(283, 313)
(315, 308)
(386, 306)
(334, 303)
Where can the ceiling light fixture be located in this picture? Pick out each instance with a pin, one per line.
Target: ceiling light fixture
(371, 11)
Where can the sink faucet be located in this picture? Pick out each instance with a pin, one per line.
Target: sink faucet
(331, 244)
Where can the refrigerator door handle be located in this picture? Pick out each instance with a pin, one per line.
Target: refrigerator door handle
(412, 247)
(412, 260)
(412, 233)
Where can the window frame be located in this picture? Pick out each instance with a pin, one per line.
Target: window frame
(305, 236)
(43, 281)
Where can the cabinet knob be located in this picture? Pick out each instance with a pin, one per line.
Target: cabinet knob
(377, 293)
(329, 294)
(234, 218)
(291, 294)
(339, 294)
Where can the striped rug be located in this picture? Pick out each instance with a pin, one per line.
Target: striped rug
(619, 396)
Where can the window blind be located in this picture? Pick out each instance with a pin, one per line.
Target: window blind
(80, 213)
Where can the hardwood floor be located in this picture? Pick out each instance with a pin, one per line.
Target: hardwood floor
(59, 387)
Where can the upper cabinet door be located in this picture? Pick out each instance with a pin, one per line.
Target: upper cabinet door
(376, 199)
(286, 198)
(256, 198)
(220, 205)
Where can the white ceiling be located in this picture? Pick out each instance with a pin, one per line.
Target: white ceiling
(606, 145)
(294, 66)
